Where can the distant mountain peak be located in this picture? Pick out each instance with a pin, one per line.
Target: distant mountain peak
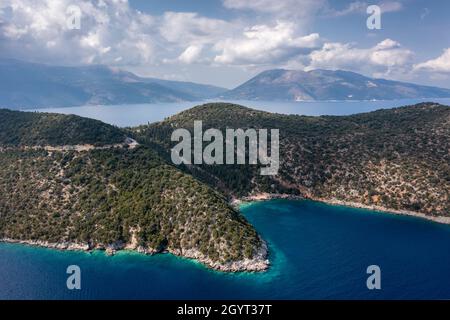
(321, 84)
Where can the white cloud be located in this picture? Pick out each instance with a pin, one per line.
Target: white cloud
(190, 28)
(191, 54)
(111, 32)
(306, 9)
(264, 44)
(299, 9)
(361, 7)
(440, 64)
(357, 6)
(387, 57)
(390, 6)
(115, 34)
(264, 33)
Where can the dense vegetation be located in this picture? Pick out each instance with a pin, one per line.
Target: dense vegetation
(39, 129)
(111, 196)
(397, 158)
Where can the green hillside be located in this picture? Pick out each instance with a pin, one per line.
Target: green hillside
(396, 158)
(113, 198)
(39, 129)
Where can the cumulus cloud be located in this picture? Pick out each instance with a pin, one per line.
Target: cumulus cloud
(441, 64)
(387, 57)
(113, 33)
(262, 44)
(110, 31)
(191, 54)
(264, 33)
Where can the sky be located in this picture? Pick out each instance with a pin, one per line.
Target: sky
(226, 42)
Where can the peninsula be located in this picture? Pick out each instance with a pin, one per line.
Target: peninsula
(69, 182)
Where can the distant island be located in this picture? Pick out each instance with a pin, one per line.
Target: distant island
(69, 182)
(327, 85)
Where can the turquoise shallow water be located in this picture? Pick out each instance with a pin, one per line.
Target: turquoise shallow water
(316, 250)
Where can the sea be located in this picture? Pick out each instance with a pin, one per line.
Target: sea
(317, 251)
(126, 115)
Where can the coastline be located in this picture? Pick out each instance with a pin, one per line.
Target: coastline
(272, 196)
(438, 219)
(258, 263)
(237, 202)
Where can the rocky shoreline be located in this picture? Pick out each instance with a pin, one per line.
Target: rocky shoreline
(268, 196)
(438, 219)
(258, 263)
(236, 202)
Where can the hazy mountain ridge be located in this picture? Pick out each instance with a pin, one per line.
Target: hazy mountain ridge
(290, 85)
(32, 85)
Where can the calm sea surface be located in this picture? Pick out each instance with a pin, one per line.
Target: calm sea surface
(316, 251)
(132, 115)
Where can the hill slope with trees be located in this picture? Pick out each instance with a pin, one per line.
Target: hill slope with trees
(397, 159)
(112, 198)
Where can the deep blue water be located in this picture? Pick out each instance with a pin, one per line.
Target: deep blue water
(316, 250)
(132, 115)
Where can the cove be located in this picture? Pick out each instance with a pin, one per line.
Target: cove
(317, 251)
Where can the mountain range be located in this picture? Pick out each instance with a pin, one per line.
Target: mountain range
(291, 85)
(31, 85)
